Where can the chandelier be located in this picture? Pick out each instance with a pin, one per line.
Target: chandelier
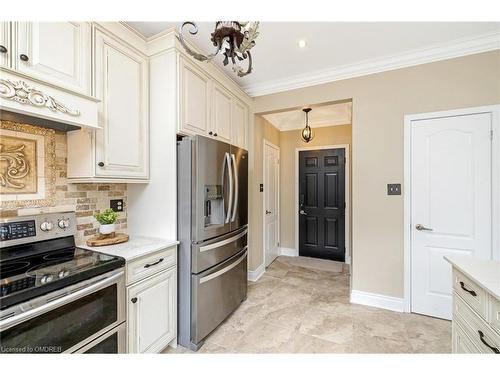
(235, 38)
(307, 133)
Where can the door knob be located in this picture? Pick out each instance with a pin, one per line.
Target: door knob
(24, 57)
(421, 227)
(134, 300)
(302, 212)
(268, 212)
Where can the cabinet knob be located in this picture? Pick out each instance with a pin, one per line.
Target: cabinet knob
(134, 300)
(23, 57)
(100, 164)
(210, 133)
(3, 49)
(215, 134)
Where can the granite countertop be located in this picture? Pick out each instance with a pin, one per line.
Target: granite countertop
(135, 247)
(484, 272)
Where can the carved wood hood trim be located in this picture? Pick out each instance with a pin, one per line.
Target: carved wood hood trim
(21, 92)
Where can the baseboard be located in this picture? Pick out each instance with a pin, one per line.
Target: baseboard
(377, 300)
(289, 252)
(255, 275)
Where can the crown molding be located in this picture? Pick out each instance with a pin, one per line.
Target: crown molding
(443, 51)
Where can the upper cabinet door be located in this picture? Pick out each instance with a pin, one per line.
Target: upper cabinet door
(5, 47)
(194, 99)
(121, 82)
(55, 52)
(222, 113)
(240, 123)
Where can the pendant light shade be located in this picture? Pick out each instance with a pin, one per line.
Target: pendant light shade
(307, 134)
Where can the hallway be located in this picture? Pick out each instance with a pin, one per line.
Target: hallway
(297, 309)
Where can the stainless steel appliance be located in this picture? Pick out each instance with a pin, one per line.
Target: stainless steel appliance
(212, 194)
(55, 297)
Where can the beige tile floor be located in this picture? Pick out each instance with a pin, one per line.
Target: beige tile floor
(294, 308)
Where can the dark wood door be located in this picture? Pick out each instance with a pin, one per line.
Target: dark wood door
(322, 204)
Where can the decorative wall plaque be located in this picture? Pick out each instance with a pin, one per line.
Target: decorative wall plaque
(27, 166)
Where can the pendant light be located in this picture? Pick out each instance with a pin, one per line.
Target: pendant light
(307, 133)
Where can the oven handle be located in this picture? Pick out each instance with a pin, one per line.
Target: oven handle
(101, 284)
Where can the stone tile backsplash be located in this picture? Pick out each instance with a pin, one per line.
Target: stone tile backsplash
(84, 199)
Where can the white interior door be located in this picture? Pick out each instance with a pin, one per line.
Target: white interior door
(451, 213)
(271, 202)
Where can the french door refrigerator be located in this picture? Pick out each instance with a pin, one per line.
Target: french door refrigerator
(212, 226)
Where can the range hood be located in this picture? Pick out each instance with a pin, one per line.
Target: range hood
(24, 99)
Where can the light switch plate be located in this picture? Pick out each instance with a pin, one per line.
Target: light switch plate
(393, 189)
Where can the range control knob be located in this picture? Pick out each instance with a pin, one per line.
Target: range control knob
(46, 226)
(63, 273)
(46, 279)
(63, 223)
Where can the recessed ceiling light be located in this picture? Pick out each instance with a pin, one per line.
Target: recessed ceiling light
(302, 43)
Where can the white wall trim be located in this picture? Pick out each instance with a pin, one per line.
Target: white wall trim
(265, 182)
(347, 195)
(255, 275)
(377, 300)
(461, 47)
(289, 252)
(495, 111)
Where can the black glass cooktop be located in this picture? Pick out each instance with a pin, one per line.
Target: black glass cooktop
(28, 271)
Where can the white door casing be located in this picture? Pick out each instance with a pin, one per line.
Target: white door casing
(449, 191)
(271, 154)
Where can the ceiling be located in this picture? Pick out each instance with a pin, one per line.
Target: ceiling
(320, 116)
(339, 50)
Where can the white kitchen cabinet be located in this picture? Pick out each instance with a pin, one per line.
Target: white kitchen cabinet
(194, 97)
(151, 313)
(221, 124)
(119, 151)
(54, 52)
(239, 123)
(5, 45)
(208, 108)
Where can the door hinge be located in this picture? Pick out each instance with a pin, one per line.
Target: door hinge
(345, 205)
(491, 134)
(278, 244)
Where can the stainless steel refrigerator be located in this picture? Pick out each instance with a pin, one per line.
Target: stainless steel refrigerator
(212, 222)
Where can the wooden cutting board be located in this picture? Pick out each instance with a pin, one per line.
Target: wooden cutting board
(107, 239)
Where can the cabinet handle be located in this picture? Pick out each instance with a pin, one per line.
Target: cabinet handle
(134, 300)
(215, 134)
(3, 49)
(493, 349)
(100, 164)
(462, 285)
(153, 264)
(23, 57)
(210, 133)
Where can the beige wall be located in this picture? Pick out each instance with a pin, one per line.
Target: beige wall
(289, 142)
(380, 102)
(263, 129)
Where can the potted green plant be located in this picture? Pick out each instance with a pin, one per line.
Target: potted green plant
(106, 219)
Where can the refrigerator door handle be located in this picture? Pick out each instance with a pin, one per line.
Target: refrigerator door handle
(236, 179)
(227, 162)
(224, 270)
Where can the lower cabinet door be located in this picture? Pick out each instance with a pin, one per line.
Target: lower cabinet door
(151, 313)
(461, 343)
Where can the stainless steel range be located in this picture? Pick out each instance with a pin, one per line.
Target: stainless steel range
(54, 296)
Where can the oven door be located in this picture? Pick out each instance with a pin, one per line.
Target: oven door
(65, 320)
(112, 342)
